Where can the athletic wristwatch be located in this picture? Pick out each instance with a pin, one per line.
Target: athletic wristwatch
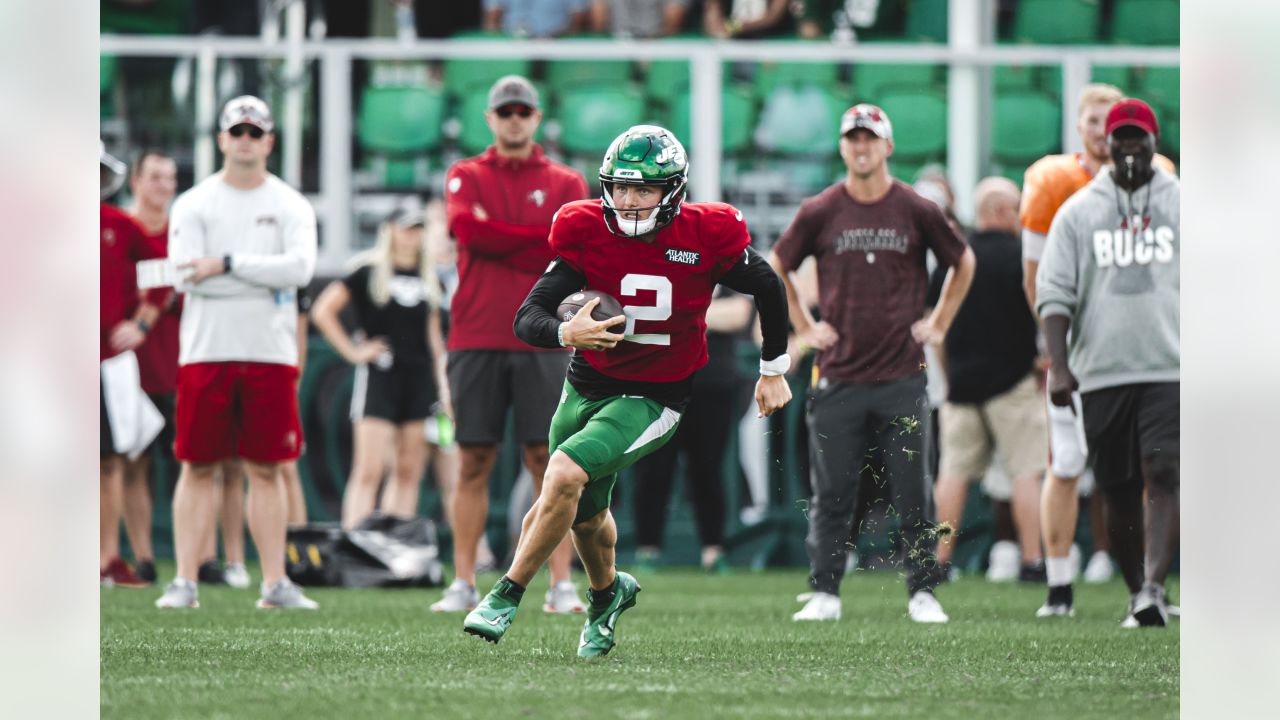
(226, 263)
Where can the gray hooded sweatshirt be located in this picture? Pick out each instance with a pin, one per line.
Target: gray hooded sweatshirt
(1119, 288)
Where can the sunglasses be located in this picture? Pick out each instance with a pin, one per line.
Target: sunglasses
(507, 111)
(254, 131)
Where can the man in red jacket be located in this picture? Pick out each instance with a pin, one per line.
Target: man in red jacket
(500, 205)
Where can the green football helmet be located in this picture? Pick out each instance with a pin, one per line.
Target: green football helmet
(644, 155)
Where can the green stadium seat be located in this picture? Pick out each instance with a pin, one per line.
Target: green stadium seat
(873, 81)
(927, 20)
(400, 120)
(464, 75)
(1015, 77)
(592, 116)
(1015, 171)
(1159, 86)
(1145, 22)
(1057, 22)
(1170, 136)
(800, 120)
(563, 74)
(770, 76)
(107, 65)
(663, 78)
(1025, 125)
(904, 170)
(1118, 75)
(919, 123)
(737, 119)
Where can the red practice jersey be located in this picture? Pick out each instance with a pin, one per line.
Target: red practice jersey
(123, 245)
(664, 286)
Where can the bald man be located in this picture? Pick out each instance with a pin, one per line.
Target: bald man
(994, 409)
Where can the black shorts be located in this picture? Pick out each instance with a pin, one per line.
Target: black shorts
(399, 395)
(1127, 424)
(484, 383)
(164, 402)
(106, 442)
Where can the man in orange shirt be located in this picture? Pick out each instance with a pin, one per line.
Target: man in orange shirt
(1047, 185)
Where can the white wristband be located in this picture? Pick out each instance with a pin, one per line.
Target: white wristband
(560, 334)
(777, 366)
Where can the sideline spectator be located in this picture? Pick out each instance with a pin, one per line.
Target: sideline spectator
(153, 183)
(499, 206)
(1110, 278)
(638, 18)
(746, 19)
(246, 241)
(869, 234)
(536, 18)
(400, 364)
(993, 401)
(702, 437)
(127, 420)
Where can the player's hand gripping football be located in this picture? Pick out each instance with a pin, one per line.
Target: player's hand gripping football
(585, 333)
(1061, 384)
(772, 394)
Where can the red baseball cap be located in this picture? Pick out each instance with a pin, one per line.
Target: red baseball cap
(1132, 111)
(866, 115)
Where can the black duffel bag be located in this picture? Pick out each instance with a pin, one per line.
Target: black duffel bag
(383, 551)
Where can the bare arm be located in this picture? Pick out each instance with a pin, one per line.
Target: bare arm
(672, 19)
(492, 19)
(954, 288)
(1029, 268)
(729, 314)
(813, 334)
(600, 16)
(324, 313)
(436, 344)
(773, 15)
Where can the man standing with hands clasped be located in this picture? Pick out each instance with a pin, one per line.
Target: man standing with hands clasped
(244, 241)
(1110, 277)
(869, 234)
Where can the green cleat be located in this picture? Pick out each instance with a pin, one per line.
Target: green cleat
(597, 637)
(493, 615)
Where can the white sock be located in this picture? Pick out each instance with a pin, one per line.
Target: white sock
(1059, 570)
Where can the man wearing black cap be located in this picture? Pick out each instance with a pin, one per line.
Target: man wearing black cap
(499, 206)
(1110, 277)
(243, 242)
(869, 234)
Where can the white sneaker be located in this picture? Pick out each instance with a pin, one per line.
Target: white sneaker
(286, 596)
(923, 607)
(1004, 562)
(181, 593)
(1100, 568)
(236, 575)
(563, 599)
(458, 597)
(820, 606)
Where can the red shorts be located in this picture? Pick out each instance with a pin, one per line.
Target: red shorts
(248, 409)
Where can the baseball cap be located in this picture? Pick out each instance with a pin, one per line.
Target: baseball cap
(407, 215)
(1132, 111)
(512, 89)
(115, 171)
(246, 109)
(108, 160)
(865, 115)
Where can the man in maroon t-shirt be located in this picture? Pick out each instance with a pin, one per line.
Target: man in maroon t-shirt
(124, 321)
(499, 206)
(869, 235)
(153, 183)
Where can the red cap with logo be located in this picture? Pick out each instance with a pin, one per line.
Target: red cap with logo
(865, 115)
(1132, 111)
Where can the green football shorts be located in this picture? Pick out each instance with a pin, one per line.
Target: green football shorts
(605, 436)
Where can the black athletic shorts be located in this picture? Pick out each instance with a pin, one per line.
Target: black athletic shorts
(484, 383)
(400, 395)
(106, 442)
(1126, 424)
(165, 403)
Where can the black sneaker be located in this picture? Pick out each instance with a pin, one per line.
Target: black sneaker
(210, 573)
(1148, 607)
(146, 571)
(1059, 603)
(1033, 573)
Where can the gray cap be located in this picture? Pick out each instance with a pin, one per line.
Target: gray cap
(407, 215)
(513, 89)
(246, 109)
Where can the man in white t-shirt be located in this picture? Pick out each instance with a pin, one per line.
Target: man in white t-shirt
(243, 241)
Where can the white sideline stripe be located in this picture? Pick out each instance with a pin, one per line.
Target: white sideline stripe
(656, 429)
(359, 391)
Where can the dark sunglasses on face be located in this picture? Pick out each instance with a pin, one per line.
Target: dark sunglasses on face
(507, 111)
(254, 131)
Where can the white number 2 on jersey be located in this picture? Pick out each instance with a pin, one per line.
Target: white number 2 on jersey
(660, 310)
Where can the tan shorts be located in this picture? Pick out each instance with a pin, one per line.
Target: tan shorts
(1012, 423)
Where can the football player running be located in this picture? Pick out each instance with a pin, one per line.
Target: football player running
(625, 392)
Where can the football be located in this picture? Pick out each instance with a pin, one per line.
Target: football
(608, 307)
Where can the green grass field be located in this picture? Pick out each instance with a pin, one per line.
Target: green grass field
(694, 647)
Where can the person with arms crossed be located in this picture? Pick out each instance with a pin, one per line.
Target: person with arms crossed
(993, 400)
(499, 206)
(869, 234)
(400, 364)
(626, 391)
(1110, 277)
(245, 241)
(1046, 186)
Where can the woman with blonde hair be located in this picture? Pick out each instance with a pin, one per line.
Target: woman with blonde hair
(399, 356)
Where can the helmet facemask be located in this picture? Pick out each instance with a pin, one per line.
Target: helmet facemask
(644, 155)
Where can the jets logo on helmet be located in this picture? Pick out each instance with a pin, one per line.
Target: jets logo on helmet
(644, 155)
